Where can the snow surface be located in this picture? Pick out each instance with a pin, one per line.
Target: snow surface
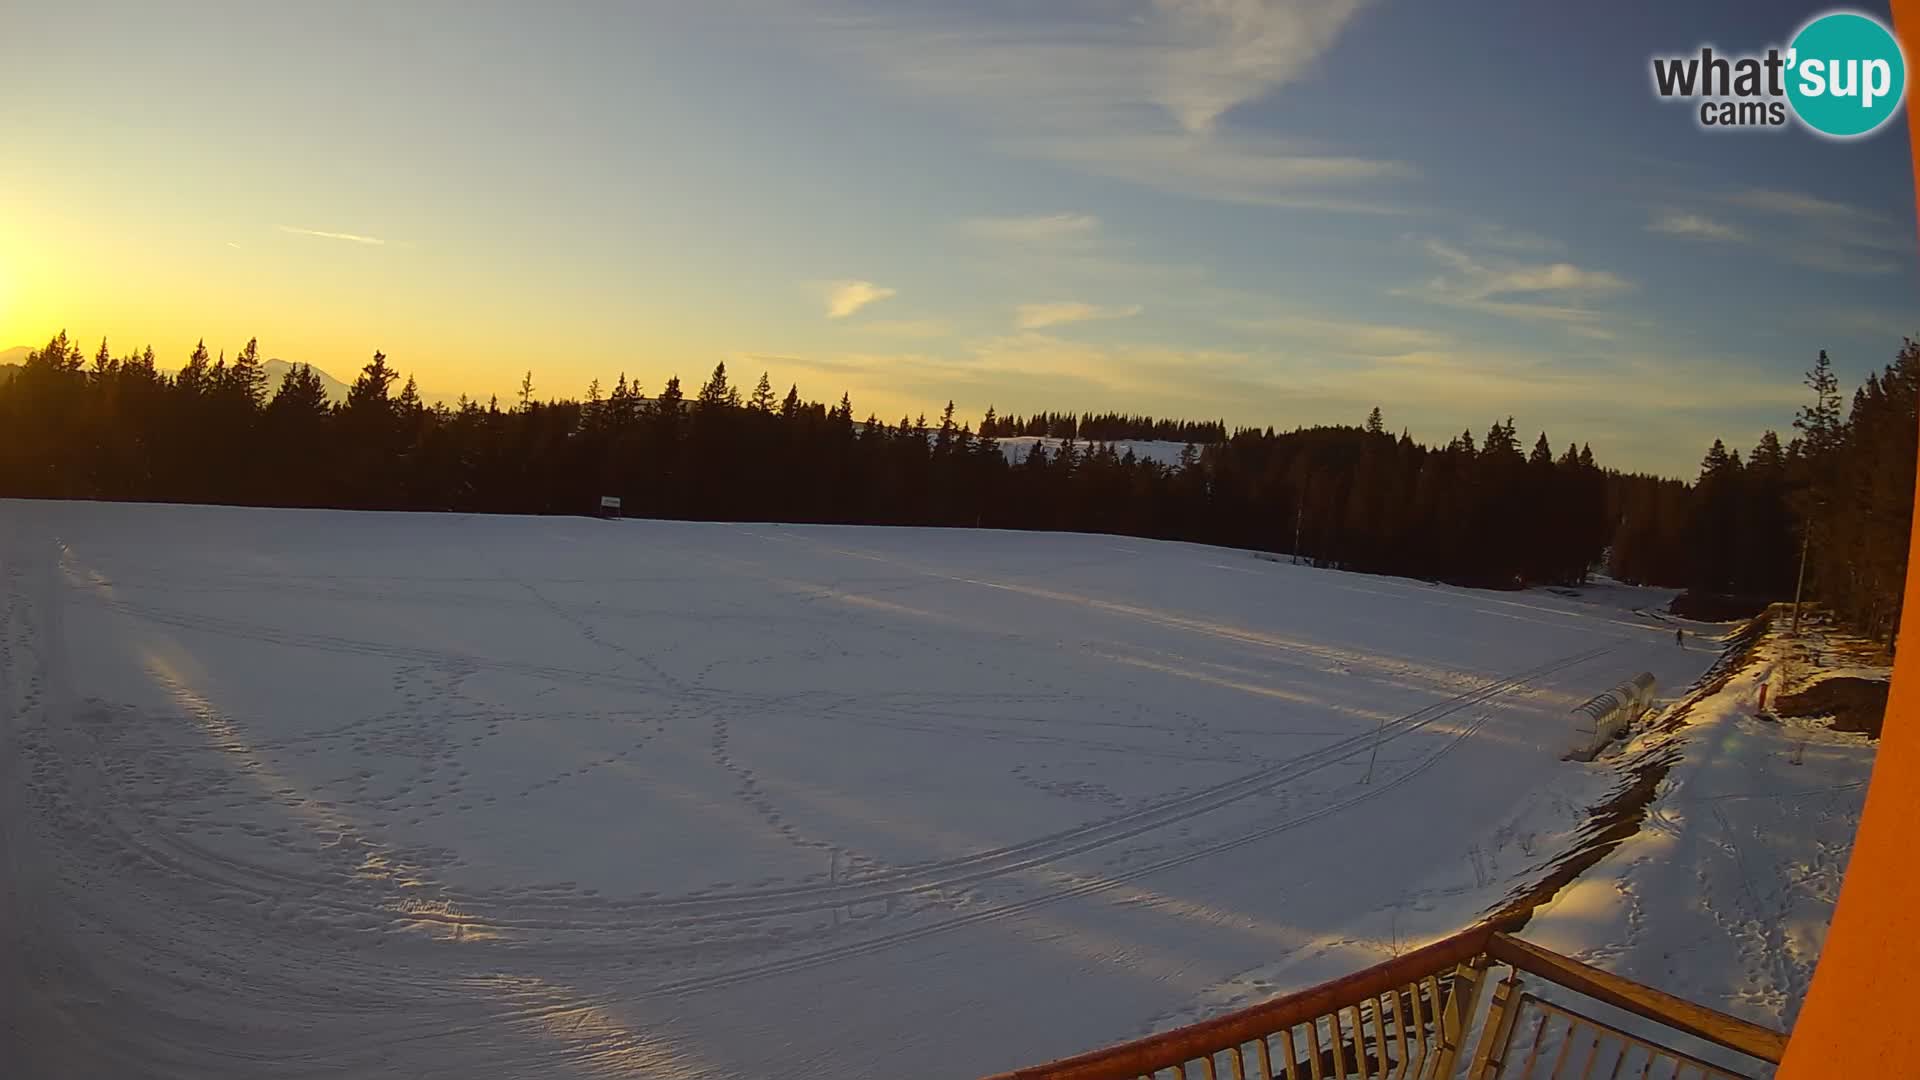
(291, 793)
(276, 370)
(1725, 895)
(1017, 447)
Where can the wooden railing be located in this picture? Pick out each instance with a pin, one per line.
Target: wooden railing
(1408, 1019)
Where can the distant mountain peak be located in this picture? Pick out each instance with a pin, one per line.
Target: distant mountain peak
(277, 369)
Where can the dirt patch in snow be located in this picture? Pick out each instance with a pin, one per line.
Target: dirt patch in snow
(1852, 704)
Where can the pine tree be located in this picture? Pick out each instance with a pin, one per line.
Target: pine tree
(670, 401)
(104, 365)
(1819, 423)
(1542, 452)
(369, 392)
(943, 439)
(623, 405)
(245, 380)
(762, 399)
(408, 403)
(301, 393)
(986, 445)
(715, 392)
(192, 379)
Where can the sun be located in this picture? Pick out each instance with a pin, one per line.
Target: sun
(17, 326)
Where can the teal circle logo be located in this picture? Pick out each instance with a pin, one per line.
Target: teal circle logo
(1846, 74)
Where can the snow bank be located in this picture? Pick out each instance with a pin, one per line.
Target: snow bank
(1725, 894)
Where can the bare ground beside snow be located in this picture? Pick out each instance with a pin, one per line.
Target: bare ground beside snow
(299, 793)
(1724, 894)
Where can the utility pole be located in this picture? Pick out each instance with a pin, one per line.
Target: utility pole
(1806, 538)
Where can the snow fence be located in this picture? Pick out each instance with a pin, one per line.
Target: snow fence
(1601, 720)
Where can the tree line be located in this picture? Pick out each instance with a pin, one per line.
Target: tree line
(1105, 427)
(1491, 511)
(1826, 514)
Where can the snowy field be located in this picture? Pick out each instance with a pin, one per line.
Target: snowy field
(303, 793)
(1016, 448)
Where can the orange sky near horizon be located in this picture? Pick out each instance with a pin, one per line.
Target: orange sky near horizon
(1191, 213)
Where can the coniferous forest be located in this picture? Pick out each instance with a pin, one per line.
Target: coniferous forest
(1496, 510)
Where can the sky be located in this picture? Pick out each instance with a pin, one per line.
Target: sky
(1272, 212)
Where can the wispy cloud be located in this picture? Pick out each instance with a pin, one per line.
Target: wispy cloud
(1255, 170)
(1223, 53)
(1799, 204)
(1143, 96)
(1060, 312)
(1480, 280)
(325, 235)
(1885, 324)
(1821, 234)
(1340, 337)
(1840, 260)
(1553, 292)
(1695, 225)
(1035, 228)
(1497, 237)
(846, 297)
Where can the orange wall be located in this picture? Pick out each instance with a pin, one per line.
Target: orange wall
(1862, 1015)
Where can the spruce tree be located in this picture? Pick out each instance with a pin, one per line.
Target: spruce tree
(369, 392)
(192, 379)
(246, 381)
(715, 391)
(762, 399)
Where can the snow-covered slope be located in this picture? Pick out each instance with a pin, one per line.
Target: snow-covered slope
(1016, 448)
(276, 370)
(302, 792)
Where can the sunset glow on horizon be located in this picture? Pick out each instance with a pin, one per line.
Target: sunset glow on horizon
(1260, 211)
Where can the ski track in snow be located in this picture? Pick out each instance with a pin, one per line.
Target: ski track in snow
(295, 793)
